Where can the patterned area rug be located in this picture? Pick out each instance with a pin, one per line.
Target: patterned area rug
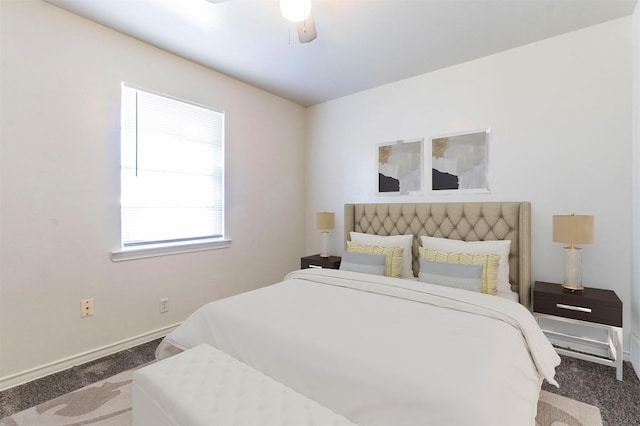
(556, 410)
(108, 403)
(105, 403)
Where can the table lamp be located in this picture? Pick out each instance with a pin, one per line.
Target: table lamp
(324, 222)
(573, 229)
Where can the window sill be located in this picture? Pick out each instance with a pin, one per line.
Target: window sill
(166, 250)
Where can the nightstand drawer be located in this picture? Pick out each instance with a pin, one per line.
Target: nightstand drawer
(593, 305)
(578, 309)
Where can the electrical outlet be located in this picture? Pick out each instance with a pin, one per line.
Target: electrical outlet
(86, 308)
(164, 305)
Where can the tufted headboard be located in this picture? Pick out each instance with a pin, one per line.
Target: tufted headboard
(460, 221)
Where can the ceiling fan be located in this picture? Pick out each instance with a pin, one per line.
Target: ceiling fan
(299, 12)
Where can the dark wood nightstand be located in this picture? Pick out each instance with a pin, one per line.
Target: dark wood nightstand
(583, 324)
(331, 262)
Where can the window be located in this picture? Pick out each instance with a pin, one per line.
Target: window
(172, 172)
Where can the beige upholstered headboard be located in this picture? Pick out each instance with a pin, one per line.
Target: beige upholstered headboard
(460, 221)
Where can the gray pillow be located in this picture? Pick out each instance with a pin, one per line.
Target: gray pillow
(466, 277)
(361, 262)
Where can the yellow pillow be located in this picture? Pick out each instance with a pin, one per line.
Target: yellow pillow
(393, 259)
(488, 261)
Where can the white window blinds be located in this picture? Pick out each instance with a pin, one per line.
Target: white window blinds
(172, 176)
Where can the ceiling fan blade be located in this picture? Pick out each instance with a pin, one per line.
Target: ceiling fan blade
(307, 30)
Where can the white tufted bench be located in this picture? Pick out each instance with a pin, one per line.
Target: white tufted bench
(204, 386)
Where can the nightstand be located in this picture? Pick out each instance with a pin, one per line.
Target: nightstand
(583, 324)
(331, 262)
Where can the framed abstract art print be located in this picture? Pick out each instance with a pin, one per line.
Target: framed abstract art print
(460, 162)
(400, 167)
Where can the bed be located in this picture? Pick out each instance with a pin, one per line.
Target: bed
(395, 351)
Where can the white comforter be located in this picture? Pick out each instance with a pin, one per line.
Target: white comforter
(384, 351)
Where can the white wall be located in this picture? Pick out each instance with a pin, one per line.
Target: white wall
(635, 288)
(59, 196)
(560, 114)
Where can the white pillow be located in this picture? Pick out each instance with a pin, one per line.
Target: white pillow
(500, 247)
(404, 241)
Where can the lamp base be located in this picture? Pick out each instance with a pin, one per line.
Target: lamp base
(572, 287)
(572, 269)
(325, 249)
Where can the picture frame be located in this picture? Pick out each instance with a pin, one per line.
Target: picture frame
(400, 167)
(460, 162)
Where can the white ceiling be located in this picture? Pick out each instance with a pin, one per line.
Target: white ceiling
(361, 43)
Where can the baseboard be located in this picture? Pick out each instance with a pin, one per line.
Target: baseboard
(82, 358)
(634, 354)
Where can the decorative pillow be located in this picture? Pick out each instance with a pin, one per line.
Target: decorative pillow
(466, 277)
(499, 247)
(393, 256)
(403, 241)
(361, 262)
(488, 261)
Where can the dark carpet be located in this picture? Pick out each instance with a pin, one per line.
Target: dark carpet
(595, 384)
(41, 390)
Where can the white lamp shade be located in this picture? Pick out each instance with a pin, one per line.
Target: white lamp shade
(295, 10)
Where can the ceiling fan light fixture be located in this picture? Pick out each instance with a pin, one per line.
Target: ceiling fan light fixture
(295, 10)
